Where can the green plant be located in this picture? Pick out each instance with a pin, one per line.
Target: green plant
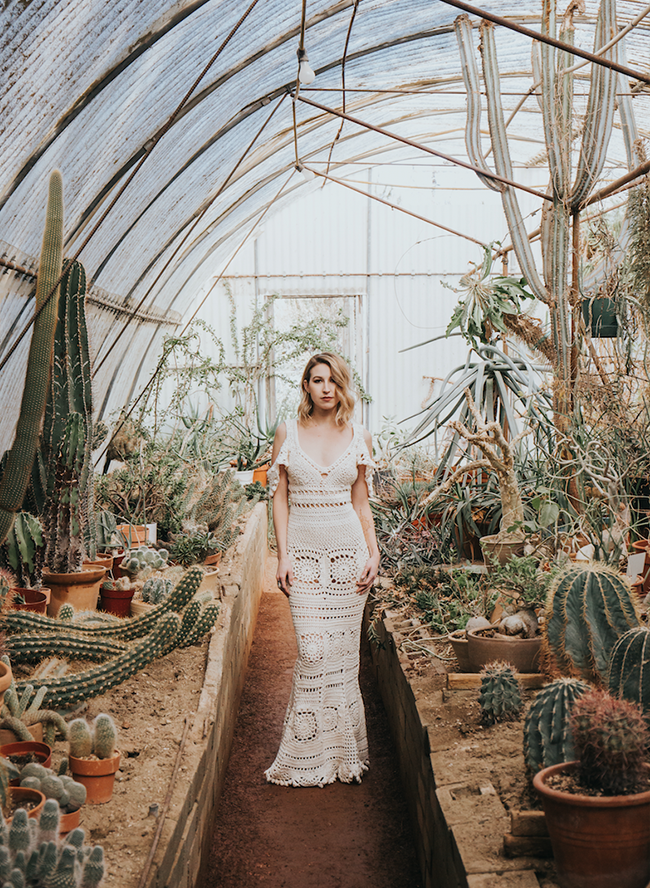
(611, 740)
(38, 858)
(23, 551)
(106, 532)
(155, 590)
(218, 508)
(192, 548)
(18, 713)
(589, 607)
(100, 740)
(63, 516)
(447, 597)
(500, 693)
(521, 581)
(18, 467)
(547, 729)
(140, 562)
(68, 793)
(628, 677)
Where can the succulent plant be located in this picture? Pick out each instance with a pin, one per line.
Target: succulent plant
(24, 550)
(99, 740)
(547, 729)
(18, 714)
(155, 590)
(589, 608)
(500, 694)
(629, 668)
(611, 740)
(68, 793)
(38, 857)
(141, 561)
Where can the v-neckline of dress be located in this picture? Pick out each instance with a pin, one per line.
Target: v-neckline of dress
(324, 469)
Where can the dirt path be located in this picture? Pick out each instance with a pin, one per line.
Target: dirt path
(340, 836)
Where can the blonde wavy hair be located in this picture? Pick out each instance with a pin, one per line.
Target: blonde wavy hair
(343, 380)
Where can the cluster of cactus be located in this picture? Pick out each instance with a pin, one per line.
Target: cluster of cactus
(219, 507)
(23, 551)
(143, 559)
(155, 590)
(68, 793)
(500, 693)
(589, 608)
(18, 467)
(611, 742)
(19, 712)
(63, 518)
(99, 739)
(106, 533)
(628, 676)
(548, 739)
(32, 854)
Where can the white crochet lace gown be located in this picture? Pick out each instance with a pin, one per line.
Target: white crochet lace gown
(324, 734)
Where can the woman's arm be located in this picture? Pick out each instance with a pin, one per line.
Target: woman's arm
(361, 505)
(284, 574)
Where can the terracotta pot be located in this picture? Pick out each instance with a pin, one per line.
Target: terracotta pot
(6, 676)
(260, 473)
(521, 653)
(41, 751)
(97, 775)
(140, 607)
(134, 534)
(100, 560)
(35, 600)
(460, 644)
(598, 841)
(503, 551)
(117, 561)
(22, 794)
(644, 546)
(68, 822)
(117, 601)
(81, 590)
(7, 736)
(214, 559)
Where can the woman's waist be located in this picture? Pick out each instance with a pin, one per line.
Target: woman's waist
(318, 498)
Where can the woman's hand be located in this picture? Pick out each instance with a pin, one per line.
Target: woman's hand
(368, 575)
(284, 575)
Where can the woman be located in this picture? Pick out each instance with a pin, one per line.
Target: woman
(327, 562)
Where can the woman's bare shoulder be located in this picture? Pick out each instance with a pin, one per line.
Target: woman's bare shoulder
(280, 434)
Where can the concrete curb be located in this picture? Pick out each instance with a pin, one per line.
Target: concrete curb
(181, 856)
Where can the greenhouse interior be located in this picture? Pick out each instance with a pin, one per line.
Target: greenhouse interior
(346, 308)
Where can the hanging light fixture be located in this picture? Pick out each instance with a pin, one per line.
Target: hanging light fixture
(305, 73)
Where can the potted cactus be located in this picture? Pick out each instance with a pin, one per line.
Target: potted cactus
(69, 793)
(598, 807)
(93, 758)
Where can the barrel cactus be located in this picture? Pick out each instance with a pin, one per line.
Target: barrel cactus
(547, 730)
(629, 668)
(611, 741)
(500, 694)
(589, 607)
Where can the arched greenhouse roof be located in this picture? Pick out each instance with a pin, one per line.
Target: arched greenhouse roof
(169, 162)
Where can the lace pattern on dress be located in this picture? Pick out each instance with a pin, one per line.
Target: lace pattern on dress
(273, 474)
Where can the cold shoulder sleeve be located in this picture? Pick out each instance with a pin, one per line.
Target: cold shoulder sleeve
(364, 458)
(273, 475)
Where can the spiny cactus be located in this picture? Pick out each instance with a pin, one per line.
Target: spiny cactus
(69, 794)
(547, 728)
(117, 629)
(139, 562)
(18, 714)
(589, 608)
(66, 613)
(155, 590)
(32, 648)
(629, 669)
(39, 363)
(204, 623)
(611, 741)
(80, 738)
(24, 550)
(70, 689)
(63, 517)
(500, 694)
(36, 856)
(105, 736)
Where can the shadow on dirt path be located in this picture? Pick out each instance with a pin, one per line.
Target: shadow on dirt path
(340, 836)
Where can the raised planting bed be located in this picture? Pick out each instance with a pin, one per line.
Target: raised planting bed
(464, 782)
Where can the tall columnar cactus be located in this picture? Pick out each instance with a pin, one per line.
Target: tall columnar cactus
(63, 518)
(70, 689)
(547, 729)
(500, 694)
(122, 630)
(105, 736)
(555, 95)
(39, 363)
(70, 392)
(629, 668)
(23, 551)
(32, 647)
(589, 607)
(611, 741)
(80, 738)
(39, 857)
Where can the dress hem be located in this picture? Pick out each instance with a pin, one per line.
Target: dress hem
(353, 775)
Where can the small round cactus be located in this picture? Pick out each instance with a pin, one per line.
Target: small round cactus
(611, 740)
(500, 695)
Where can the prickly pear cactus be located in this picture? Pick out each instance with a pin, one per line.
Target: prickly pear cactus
(547, 728)
(500, 695)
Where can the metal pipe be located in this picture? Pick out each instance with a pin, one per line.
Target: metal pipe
(552, 41)
(393, 206)
(412, 144)
(618, 183)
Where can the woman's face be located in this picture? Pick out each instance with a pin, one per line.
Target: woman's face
(322, 388)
